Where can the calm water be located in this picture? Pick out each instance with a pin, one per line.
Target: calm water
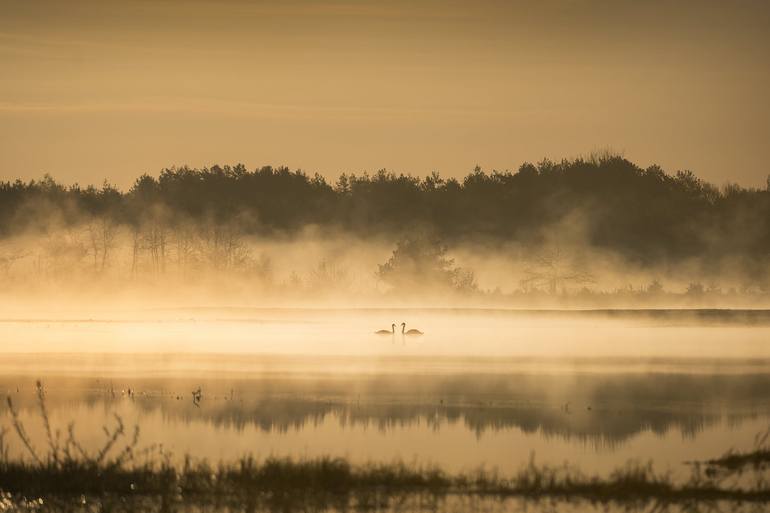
(479, 388)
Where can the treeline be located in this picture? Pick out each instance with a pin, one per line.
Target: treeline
(645, 215)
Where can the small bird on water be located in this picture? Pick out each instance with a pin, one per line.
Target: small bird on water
(412, 332)
(392, 330)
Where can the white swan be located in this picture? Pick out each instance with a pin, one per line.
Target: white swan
(409, 332)
(392, 330)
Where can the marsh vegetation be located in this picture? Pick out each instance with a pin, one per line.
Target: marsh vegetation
(121, 476)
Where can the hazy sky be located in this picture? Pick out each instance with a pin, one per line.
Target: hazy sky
(110, 89)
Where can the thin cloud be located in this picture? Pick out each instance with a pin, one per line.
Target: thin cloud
(215, 106)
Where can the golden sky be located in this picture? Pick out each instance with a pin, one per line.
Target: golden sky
(95, 89)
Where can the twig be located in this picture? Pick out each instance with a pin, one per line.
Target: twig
(53, 443)
(112, 438)
(19, 427)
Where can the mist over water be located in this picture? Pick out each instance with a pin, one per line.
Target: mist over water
(335, 255)
(591, 232)
(585, 314)
(223, 326)
(478, 388)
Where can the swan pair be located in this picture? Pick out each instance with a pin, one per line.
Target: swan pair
(404, 331)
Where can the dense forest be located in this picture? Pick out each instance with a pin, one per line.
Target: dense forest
(646, 217)
(646, 214)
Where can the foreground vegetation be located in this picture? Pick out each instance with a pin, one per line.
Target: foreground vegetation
(120, 476)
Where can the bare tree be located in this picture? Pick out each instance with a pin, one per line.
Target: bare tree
(101, 236)
(553, 271)
(327, 276)
(223, 246)
(8, 257)
(61, 254)
(185, 248)
(136, 247)
(155, 240)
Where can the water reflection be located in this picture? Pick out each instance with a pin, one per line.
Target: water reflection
(600, 410)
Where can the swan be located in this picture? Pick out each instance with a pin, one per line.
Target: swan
(410, 332)
(392, 330)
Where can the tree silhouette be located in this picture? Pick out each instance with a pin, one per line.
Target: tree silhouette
(642, 215)
(420, 263)
(553, 271)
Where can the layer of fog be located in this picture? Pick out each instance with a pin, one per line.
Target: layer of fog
(98, 263)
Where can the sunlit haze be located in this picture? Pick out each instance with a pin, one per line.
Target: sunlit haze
(95, 90)
(384, 256)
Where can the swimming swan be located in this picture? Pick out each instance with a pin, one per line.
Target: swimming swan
(392, 330)
(410, 332)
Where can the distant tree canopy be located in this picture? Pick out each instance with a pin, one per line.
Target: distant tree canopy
(644, 214)
(419, 263)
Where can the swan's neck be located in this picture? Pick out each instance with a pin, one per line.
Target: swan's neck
(403, 328)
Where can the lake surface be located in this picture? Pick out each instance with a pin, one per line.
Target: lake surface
(480, 388)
